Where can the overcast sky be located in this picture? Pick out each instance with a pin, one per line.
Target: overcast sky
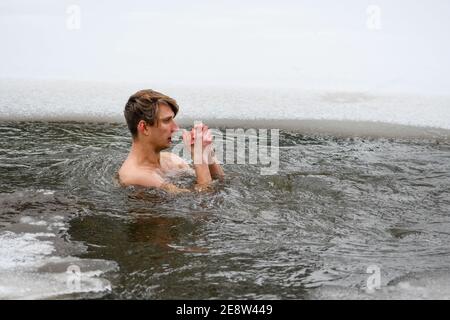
(352, 44)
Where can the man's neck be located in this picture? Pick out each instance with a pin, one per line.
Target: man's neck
(145, 155)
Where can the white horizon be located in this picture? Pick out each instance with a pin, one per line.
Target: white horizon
(283, 44)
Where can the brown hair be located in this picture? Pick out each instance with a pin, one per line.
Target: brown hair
(143, 105)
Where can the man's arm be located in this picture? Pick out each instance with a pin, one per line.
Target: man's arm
(151, 180)
(215, 168)
(199, 140)
(200, 159)
(201, 168)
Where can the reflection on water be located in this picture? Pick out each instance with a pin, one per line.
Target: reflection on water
(336, 206)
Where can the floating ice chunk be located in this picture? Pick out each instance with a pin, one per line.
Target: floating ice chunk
(31, 269)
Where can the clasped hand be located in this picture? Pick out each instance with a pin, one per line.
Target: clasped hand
(199, 142)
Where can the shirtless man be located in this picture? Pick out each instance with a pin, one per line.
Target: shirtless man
(150, 118)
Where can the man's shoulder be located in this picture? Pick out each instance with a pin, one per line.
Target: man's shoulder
(129, 176)
(146, 178)
(175, 160)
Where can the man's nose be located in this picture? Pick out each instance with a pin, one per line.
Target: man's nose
(175, 127)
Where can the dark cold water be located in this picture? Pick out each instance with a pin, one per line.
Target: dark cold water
(336, 206)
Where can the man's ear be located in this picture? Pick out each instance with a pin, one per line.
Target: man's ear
(142, 127)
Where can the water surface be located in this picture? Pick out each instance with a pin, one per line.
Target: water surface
(336, 206)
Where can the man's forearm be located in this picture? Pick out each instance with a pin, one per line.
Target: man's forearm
(206, 165)
(203, 174)
(200, 160)
(215, 169)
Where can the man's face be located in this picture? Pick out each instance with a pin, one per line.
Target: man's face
(163, 128)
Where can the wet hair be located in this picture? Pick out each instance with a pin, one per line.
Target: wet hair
(144, 105)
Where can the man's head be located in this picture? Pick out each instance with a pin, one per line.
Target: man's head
(149, 115)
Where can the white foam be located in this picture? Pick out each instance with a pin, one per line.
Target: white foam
(46, 192)
(32, 221)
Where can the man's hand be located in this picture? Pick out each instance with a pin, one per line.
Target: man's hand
(199, 142)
